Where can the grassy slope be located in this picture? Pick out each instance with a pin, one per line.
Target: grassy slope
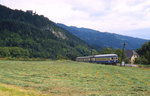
(67, 78)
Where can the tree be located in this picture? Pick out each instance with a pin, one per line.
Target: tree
(144, 53)
(13, 52)
(4, 52)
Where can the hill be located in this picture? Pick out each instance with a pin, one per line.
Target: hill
(99, 39)
(68, 78)
(36, 36)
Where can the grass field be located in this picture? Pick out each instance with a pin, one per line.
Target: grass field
(68, 78)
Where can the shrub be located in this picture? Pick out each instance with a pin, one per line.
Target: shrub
(141, 60)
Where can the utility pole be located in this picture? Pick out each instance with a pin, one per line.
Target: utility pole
(122, 57)
(91, 55)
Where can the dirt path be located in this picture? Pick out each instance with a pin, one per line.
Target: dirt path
(132, 65)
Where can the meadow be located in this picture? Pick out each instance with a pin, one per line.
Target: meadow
(69, 78)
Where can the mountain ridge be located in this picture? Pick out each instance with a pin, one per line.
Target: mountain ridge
(104, 39)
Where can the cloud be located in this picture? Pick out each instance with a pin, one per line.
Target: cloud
(115, 16)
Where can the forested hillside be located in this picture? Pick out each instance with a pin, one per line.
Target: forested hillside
(36, 36)
(99, 39)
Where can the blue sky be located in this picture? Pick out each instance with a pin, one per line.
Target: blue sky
(128, 17)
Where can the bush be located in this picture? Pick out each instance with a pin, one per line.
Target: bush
(127, 60)
(141, 60)
(13, 52)
(4, 52)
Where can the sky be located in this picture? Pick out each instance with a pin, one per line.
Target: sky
(126, 17)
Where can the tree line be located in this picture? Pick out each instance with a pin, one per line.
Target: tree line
(144, 53)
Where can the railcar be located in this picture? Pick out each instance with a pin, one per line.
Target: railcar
(102, 58)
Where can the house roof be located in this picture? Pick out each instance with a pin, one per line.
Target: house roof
(130, 53)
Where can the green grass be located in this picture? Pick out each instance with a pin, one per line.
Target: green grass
(68, 78)
(9, 90)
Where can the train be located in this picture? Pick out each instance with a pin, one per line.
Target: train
(102, 59)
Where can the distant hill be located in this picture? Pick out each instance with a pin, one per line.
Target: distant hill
(99, 39)
(38, 35)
